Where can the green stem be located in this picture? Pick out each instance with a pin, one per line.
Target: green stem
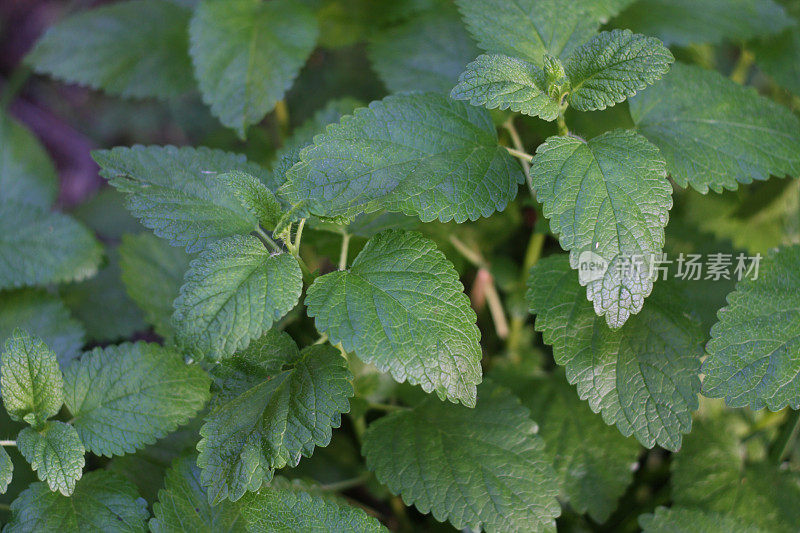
(469, 254)
(524, 156)
(343, 252)
(267, 239)
(742, 67)
(5, 507)
(532, 255)
(562, 124)
(282, 118)
(8, 443)
(516, 140)
(345, 483)
(299, 234)
(780, 448)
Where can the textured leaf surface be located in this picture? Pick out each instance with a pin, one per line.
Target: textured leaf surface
(613, 66)
(528, 29)
(608, 196)
(246, 54)
(27, 175)
(102, 501)
(683, 520)
(6, 470)
(754, 352)
(152, 272)
(287, 508)
(402, 308)
(30, 378)
(102, 305)
(642, 377)
(713, 473)
(254, 196)
(715, 133)
(427, 53)
(183, 504)
(43, 315)
(683, 22)
(39, 247)
(233, 293)
(420, 154)
(501, 82)
(478, 468)
(56, 454)
(137, 48)
(177, 193)
(127, 396)
(275, 404)
(591, 476)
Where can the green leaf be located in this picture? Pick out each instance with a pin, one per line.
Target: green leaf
(255, 197)
(713, 473)
(402, 308)
(183, 504)
(127, 396)
(177, 192)
(56, 454)
(478, 468)
(528, 29)
(6, 470)
(233, 292)
(43, 315)
(420, 154)
(502, 82)
(779, 56)
(426, 53)
(102, 501)
(685, 22)
(31, 380)
(105, 214)
(753, 348)
(261, 419)
(246, 54)
(642, 377)
(683, 520)
(134, 49)
(607, 199)
(613, 66)
(592, 477)
(715, 133)
(152, 272)
(27, 175)
(38, 246)
(102, 305)
(286, 507)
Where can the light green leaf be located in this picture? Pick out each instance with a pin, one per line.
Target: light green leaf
(608, 198)
(503, 82)
(6, 470)
(478, 468)
(402, 308)
(613, 66)
(685, 22)
(55, 452)
(528, 29)
(683, 520)
(420, 154)
(425, 53)
(38, 246)
(642, 377)
(714, 473)
(602, 10)
(127, 396)
(102, 305)
(591, 476)
(246, 54)
(261, 419)
(255, 197)
(183, 504)
(137, 49)
(27, 175)
(43, 315)
(286, 507)
(102, 501)
(753, 348)
(715, 133)
(233, 292)
(177, 192)
(30, 378)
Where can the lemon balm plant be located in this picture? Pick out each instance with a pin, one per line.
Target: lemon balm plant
(284, 340)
